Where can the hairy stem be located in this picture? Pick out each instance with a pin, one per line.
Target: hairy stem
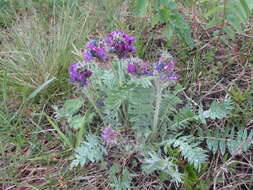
(121, 77)
(157, 108)
(125, 111)
(91, 100)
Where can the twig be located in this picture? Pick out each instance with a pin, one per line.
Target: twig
(188, 98)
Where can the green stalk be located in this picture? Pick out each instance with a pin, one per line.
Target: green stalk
(89, 96)
(79, 136)
(125, 111)
(119, 74)
(64, 138)
(157, 108)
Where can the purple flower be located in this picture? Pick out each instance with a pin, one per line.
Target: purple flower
(79, 74)
(120, 43)
(170, 66)
(144, 67)
(96, 51)
(159, 67)
(109, 135)
(138, 67)
(131, 68)
(164, 68)
(173, 77)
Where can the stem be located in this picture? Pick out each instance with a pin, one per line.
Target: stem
(120, 75)
(157, 108)
(125, 112)
(79, 136)
(88, 95)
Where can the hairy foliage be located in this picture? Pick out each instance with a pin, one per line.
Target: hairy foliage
(182, 118)
(69, 111)
(186, 114)
(90, 151)
(190, 150)
(140, 107)
(70, 107)
(169, 103)
(120, 178)
(216, 111)
(154, 162)
(228, 140)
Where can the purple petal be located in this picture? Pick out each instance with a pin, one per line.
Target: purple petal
(131, 68)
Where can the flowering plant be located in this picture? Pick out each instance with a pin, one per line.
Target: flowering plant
(136, 110)
(112, 90)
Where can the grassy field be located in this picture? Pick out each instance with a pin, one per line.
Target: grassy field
(39, 39)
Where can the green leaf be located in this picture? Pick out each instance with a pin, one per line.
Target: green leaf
(155, 19)
(189, 149)
(168, 32)
(181, 28)
(164, 14)
(90, 151)
(245, 6)
(219, 110)
(141, 106)
(213, 11)
(59, 132)
(116, 97)
(216, 111)
(88, 117)
(72, 106)
(184, 115)
(229, 32)
(213, 22)
(222, 140)
(77, 121)
(236, 9)
(154, 162)
(250, 4)
(235, 23)
(40, 88)
(120, 180)
(141, 7)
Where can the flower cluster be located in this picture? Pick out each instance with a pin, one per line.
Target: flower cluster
(109, 136)
(138, 67)
(116, 42)
(120, 43)
(79, 74)
(164, 68)
(96, 51)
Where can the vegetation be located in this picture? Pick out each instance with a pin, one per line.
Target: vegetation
(136, 94)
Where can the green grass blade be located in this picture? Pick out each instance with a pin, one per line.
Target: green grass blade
(40, 88)
(59, 132)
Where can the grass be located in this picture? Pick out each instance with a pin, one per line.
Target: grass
(39, 48)
(37, 43)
